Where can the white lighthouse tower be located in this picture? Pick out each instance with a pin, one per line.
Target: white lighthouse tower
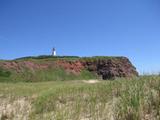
(53, 52)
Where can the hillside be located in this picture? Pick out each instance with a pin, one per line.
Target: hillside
(49, 68)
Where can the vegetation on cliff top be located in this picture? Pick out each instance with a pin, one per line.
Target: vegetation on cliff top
(41, 57)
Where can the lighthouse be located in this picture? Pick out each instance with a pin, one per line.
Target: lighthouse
(53, 52)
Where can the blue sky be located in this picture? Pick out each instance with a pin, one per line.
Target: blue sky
(128, 28)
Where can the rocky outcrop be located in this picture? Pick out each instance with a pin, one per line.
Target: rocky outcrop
(112, 68)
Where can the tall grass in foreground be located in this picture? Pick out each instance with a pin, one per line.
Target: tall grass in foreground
(131, 99)
(119, 100)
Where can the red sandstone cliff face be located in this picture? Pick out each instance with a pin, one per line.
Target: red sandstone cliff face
(112, 68)
(106, 68)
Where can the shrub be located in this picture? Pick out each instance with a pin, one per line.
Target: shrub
(4, 73)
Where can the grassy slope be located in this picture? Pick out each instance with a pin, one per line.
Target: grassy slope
(57, 74)
(134, 99)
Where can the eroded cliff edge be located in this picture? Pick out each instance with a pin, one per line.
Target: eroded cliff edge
(59, 68)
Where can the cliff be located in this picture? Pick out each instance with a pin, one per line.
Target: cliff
(65, 68)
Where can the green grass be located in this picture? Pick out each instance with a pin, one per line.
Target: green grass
(64, 57)
(55, 74)
(43, 58)
(4, 73)
(47, 57)
(122, 99)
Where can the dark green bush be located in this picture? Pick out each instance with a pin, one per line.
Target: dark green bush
(4, 73)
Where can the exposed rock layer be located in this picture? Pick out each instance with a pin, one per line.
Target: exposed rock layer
(111, 68)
